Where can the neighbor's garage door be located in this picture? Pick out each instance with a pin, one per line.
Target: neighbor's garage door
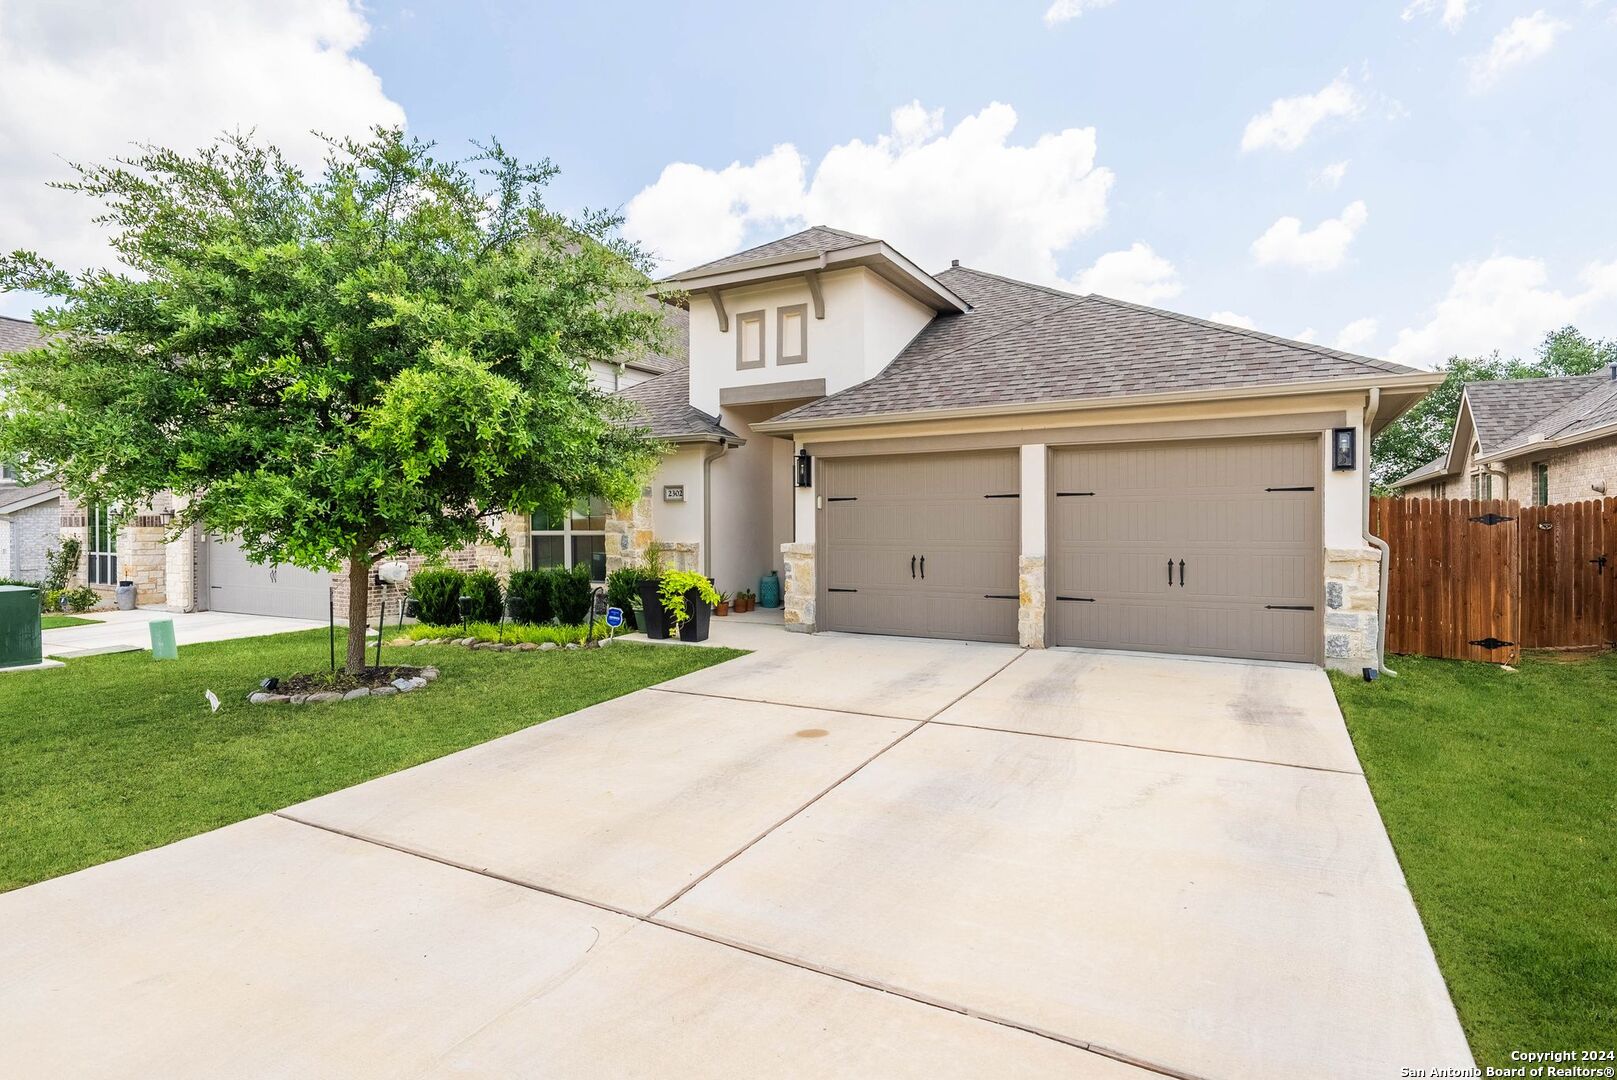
(1207, 548)
(921, 544)
(235, 584)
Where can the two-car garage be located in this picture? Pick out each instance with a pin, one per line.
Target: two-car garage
(1209, 548)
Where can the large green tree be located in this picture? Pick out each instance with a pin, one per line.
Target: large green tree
(1423, 432)
(378, 360)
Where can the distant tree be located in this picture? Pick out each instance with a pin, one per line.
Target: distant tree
(376, 361)
(1423, 432)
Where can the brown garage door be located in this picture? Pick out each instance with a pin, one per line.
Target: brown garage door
(921, 544)
(1207, 548)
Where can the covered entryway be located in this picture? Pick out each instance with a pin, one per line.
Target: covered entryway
(236, 584)
(921, 544)
(1210, 548)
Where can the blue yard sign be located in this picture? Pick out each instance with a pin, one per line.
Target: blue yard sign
(614, 617)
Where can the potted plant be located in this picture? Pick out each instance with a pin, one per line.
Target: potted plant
(688, 599)
(722, 608)
(653, 617)
(743, 601)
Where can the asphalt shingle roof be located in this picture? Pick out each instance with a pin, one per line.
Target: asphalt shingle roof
(1504, 409)
(1022, 344)
(11, 496)
(665, 405)
(678, 351)
(1438, 466)
(815, 240)
(1590, 404)
(18, 334)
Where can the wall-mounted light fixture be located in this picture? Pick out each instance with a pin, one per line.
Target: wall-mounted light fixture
(805, 469)
(1344, 448)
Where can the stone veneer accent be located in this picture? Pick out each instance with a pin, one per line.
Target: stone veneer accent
(797, 587)
(1030, 601)
(628, 532)
(1352, 598)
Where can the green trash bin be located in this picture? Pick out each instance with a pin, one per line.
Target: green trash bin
(20, 641)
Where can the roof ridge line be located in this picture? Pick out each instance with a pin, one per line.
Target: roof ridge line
(1386, 366)
(1024, 284)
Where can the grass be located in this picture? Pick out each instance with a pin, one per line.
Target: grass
(1500, 793)
(116, 754)
(58, 622)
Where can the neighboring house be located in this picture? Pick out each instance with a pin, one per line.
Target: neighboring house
(963, 455)
(1537, 441)
(29, 512)
(630, 371)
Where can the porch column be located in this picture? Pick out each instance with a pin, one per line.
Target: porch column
(1030, 562)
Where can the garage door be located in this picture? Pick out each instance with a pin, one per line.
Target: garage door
(921, 544)
(1208, 548)
(235, 584)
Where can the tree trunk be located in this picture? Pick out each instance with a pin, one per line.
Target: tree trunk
(359, 602)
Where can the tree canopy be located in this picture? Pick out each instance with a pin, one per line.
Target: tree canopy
(377, 360)
(1423, 432)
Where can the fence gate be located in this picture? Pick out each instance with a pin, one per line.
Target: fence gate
(1567, 572)
(1454, 577)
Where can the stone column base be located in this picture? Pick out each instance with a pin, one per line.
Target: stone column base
(798, 587)
(1030, 602)
(1352, 607)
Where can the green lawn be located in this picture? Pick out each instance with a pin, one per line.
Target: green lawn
(57, 622)
(1500, 793)
(115, 754)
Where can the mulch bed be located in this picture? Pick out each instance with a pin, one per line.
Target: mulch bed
(341, 682)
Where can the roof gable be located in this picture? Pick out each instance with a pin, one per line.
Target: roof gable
(1504, 409)
(815, 240)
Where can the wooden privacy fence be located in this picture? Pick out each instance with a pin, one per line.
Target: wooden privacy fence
(1482, 579)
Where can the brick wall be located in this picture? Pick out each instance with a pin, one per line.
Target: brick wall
(471, 557)
(35, 532)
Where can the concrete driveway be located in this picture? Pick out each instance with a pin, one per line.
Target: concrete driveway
(125, 631)
(838, 856)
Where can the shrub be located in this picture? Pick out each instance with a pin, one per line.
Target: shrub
(437, 596)
(81, 599)
(570, 594)
(623, 586)
(483, 588)
(61, 562)
(513, 634)
(531, 597)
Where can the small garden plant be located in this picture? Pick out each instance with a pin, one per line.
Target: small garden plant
(672, 589)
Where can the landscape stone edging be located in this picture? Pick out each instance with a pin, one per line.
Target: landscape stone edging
(399, 686)
(487, 646)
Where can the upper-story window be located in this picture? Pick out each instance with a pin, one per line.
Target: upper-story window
(749, 340)
(791, 324)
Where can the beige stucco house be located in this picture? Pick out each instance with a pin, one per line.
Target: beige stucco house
(963, 455)
(1537, 441)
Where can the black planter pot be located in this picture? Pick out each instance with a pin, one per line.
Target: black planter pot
(656, 619)
(701, 615)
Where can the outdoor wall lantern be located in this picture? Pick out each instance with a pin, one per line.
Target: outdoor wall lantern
(805, 469)
(1344, 448)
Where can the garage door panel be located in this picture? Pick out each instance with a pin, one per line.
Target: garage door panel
(1246, 547)
(883, 514)
(237, 584)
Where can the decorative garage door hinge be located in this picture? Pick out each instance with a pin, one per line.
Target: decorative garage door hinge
(1072, 494)
(1492, 519)
(842, 498)
(1012, 495)
(1078, 599)
(1490, 643)
(1289, 489)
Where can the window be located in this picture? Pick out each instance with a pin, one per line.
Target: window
(749, 340)
(1541, 483)
(1483, 486)
(8, 474)
(575, 538)
(103, 554)
(791, 324)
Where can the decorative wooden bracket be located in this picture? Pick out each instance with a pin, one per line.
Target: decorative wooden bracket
(718, 306)
(812, 278)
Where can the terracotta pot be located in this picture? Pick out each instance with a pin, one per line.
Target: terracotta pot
(722, 609)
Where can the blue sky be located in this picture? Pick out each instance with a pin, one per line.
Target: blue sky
(1473, 209)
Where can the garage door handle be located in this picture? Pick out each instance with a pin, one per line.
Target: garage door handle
(923, 567)
(1170, 571)
(912, 567)
(1181, 573)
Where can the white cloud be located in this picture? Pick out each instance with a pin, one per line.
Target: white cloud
(1288, 122)
(1454, 11)
(1330, 177)
(1065, 10)
(1356, 335)
(1230, 318)
(1136, 273)
(1526, 39)
(1308, 334)
(965, 192)
(76, 86)
(1321, 248)
(1506, 303)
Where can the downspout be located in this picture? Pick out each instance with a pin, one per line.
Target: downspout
(707, 506)
(1376, 541)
